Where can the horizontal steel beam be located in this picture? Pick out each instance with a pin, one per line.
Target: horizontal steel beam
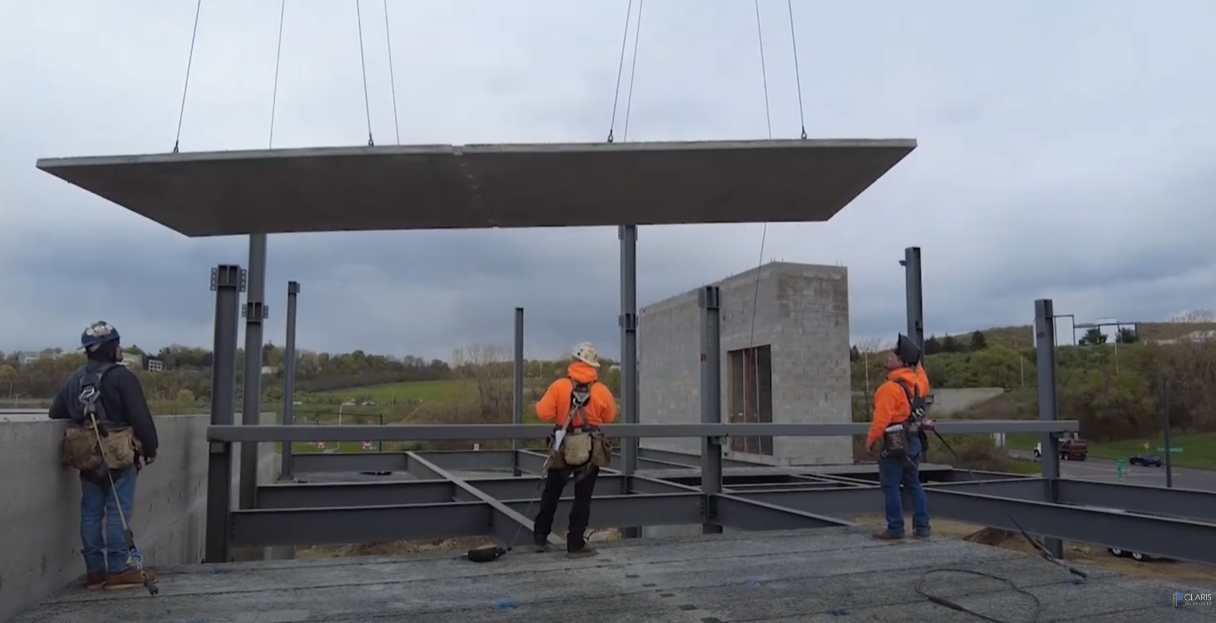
(646, 484)
(468, 460)
(740, 513)
(619, 511)
(505, 524)
(859, 500)
(1159, 536)
(368, 524)
(1016, 488)
(357, 524)
(1179, 539)
(646, 463)
(1171, 502)
(347, 494)
(307, 463)
(334, 494)
(688, 459)
(481, 432)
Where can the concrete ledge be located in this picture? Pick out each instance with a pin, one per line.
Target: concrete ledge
(40, 513)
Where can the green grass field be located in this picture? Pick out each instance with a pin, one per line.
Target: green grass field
(1198, 450)
(425, 391)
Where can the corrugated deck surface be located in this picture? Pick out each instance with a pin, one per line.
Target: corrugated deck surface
(837, 575)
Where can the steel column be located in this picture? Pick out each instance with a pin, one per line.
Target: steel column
(915, 295)
(629, 354)
(289, 376)
(1165, 428)
(1045, 350)
(255, 313)
(709, 300)
(517, 399)
(227, 281)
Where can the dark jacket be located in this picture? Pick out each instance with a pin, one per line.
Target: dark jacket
(122, 397)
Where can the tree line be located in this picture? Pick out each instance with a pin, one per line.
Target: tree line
(186, 376)
(187, 371)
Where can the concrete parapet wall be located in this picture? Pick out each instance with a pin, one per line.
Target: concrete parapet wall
(40, 505)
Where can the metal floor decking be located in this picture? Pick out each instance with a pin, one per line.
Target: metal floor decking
(834, 574)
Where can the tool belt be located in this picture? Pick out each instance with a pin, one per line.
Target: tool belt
(895, 441)
(82, 452)
(586, 445)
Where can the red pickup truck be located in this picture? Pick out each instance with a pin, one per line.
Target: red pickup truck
(1070, 450)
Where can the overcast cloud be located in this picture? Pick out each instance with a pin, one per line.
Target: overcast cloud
(1066, 150)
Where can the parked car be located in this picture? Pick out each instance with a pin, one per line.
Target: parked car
(1147, 460)
(1070, 450)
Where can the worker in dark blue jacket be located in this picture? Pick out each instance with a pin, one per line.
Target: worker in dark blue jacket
(120, 405)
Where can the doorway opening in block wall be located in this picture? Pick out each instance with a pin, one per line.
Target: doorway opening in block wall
(751, 395)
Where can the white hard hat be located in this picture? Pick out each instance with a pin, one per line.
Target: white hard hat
(585, 353)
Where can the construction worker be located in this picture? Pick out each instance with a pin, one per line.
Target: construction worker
(577, 405)
(899, 458)
(109, 393)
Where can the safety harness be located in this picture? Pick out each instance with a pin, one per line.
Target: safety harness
(577, 446)
(89, 396)
(897, 438)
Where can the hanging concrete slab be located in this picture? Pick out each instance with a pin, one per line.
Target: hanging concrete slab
(486, 186)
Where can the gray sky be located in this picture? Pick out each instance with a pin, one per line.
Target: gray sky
(1066, 151)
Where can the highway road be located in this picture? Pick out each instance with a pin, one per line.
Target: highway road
(1103, 470)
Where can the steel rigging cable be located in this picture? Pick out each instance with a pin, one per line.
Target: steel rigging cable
(278, 57)
(367, 106)
(181, 113)
(633, 69)
(620, 69)
(392, 78)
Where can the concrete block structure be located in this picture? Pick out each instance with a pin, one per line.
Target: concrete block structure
(793, 367)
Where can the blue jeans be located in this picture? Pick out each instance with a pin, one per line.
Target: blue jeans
(891, 474)
(104, 548)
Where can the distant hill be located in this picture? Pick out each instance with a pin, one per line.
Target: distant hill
(1022, 337)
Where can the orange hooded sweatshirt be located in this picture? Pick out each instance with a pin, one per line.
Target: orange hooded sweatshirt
(922, 379)
(554, 406)
(891, 404)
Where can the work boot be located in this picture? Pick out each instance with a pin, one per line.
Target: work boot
(131, 578)
(586, 551)
(94, 580)
(541, 544)
(920, 535)
(887, 535)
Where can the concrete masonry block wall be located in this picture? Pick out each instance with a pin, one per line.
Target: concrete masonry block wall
(40, 512)
(801, 310)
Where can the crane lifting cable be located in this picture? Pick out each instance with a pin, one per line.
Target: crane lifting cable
(789, 4)
(278, 57)
(633, 69)
(392, 78)
(764, 232)
(768, 119)
(620, 70)
(181, 113)
(367, 105)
